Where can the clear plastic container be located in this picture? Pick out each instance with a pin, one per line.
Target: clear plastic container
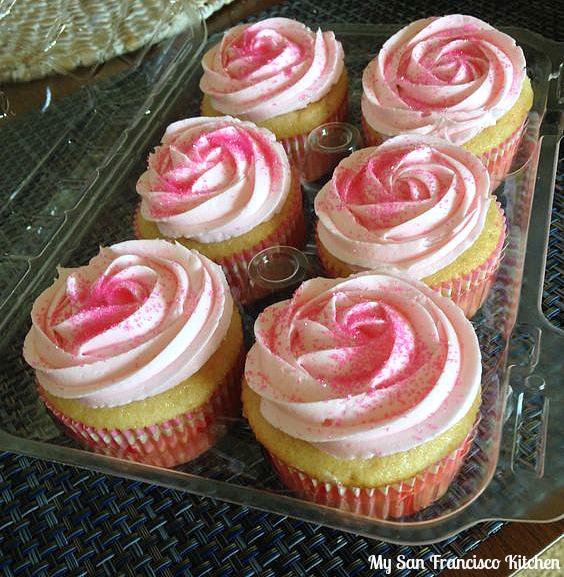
(79, 193)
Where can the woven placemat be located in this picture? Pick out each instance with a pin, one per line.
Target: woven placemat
(43, 37)
(57, 520)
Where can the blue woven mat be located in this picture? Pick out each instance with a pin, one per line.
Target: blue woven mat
(57, 520)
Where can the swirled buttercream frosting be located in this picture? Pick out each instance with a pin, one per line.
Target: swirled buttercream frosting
(450, 77)
(212, 179)
(413, 204)
(365, 366)
(262, 70)
(139, 319)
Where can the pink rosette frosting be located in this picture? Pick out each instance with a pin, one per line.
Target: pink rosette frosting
(139, 319)
(413, 204)
(450, 77)
(262, 70)
(212, 179)
(365, 366)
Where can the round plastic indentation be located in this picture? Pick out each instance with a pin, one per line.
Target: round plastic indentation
(278, 267)
(335, 138)
(326, 146)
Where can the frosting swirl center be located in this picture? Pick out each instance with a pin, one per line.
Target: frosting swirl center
(256, 54)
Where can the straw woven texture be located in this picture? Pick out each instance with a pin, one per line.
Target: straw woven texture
(42, 37)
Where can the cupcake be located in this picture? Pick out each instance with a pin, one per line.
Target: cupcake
(139, 353)
(281, 75)
(456, 78)
(365, 392)
(225, 188)
(418, 205)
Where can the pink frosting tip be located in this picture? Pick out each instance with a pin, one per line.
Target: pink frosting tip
(449, 77)
(413, 204)
(212, 179)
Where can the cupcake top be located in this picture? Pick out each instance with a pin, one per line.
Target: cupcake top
(450, 77)
(212, 179)
(365, 366)
(262, 70)
(413, 204)
(140, 318)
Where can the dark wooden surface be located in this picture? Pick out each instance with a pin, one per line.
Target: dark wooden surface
(527, 539)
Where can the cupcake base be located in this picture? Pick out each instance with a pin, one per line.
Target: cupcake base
(388, 501)
(167, 444)
(290, 231)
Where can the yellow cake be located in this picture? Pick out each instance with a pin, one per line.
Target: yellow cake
(372, 472)
(191, 395)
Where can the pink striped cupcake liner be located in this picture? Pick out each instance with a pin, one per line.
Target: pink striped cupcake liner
(371, 138)
(468, 291)
(167, 444)
(497, 161)
(296, 147)
(290, 233)
(387, 501)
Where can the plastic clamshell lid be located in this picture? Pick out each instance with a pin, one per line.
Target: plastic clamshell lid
(80, 89)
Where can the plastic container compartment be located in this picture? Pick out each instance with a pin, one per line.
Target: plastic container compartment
(80, 193)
